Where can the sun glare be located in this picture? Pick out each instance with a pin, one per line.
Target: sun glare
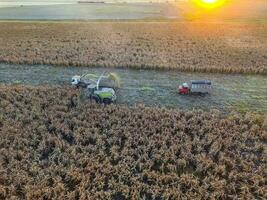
(209, 4)
(209, 1)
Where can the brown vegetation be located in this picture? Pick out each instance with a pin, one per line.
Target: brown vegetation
(206, 47)
(53, 145)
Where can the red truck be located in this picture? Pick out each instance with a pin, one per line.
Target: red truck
(195, 86)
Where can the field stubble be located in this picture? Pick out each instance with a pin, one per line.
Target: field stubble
(53, 145)
(206, 47)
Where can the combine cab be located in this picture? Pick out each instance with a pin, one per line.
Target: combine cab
(195, 87)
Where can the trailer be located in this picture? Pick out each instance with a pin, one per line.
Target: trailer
(195, 87)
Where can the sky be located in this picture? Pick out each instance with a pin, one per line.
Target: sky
(69, 0)
(42, 2)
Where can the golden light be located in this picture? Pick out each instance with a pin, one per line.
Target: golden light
(209, 1)
(209, 4)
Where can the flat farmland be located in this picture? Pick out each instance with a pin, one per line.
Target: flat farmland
(223, 47)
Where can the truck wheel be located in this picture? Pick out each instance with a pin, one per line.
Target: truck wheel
(107, 101)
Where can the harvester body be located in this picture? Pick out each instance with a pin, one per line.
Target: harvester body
(100, 89)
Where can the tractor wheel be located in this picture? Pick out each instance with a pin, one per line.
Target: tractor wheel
(107, 101)
(95, 99)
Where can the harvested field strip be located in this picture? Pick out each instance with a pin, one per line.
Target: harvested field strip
(54, 146)
(155, 88)
(202, 47)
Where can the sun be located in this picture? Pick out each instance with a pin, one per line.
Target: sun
(209, 1)
(209, 4)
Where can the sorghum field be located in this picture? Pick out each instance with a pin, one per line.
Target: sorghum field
(190, 46)
(55, 146)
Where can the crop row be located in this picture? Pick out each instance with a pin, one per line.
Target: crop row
(206, 47)
(54, 145)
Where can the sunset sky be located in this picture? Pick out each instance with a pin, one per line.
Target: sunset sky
(77, 0)
(4, 3)
(68, 1)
